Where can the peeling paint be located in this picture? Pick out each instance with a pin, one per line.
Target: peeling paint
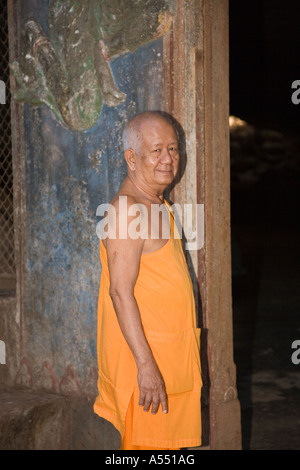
(68, 174)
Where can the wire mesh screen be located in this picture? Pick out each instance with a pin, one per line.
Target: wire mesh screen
(7, 259)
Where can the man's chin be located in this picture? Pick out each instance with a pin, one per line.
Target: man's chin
(166, 177)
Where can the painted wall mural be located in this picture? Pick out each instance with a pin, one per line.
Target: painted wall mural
(73, 167)
(69, 69)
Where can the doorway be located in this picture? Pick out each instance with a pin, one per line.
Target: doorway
(265, 167)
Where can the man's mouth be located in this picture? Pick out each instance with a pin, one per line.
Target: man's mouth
(170, 171)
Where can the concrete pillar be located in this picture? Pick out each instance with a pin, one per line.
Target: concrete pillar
(224, 405)
(197, 94)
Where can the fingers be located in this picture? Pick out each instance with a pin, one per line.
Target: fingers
(146, 399)
(164, 403)
(148, 402)
(152, 389)
(155, 406)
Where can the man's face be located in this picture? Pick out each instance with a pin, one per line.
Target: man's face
(158, 158)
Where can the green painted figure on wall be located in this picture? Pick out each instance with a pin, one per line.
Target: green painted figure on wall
(69, 71)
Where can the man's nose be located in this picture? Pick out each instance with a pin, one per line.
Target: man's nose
(166, 156)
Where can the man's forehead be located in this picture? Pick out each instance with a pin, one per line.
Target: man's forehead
(147, 127)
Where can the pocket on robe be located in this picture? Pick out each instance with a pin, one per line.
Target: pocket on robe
(176, 355)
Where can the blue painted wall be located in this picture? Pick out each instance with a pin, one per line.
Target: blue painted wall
(68, 174)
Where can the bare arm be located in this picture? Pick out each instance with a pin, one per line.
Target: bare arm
(123, 262)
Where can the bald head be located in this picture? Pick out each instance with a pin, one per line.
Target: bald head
(133, 131)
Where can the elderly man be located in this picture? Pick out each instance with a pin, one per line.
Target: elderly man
(148, 343)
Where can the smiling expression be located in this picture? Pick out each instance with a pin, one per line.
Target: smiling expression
(156, 160)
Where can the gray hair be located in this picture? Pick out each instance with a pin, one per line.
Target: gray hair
(131, 134)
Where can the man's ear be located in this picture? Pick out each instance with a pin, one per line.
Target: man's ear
(130, 159)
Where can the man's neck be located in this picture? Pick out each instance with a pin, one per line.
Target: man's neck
(154, 194)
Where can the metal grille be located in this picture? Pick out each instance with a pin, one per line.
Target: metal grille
(7, 260)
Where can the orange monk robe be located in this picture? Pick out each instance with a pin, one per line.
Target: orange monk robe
(164, 295)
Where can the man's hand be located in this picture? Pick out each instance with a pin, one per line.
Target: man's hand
(152, 388)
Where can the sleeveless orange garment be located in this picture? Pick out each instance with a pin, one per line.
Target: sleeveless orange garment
(164, 295)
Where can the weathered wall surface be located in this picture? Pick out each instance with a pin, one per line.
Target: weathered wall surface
(61, 176)
(68, 173)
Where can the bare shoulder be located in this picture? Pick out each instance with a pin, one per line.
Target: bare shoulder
(123, 224)
(125, 197)
(123, 249)
(123, 200)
